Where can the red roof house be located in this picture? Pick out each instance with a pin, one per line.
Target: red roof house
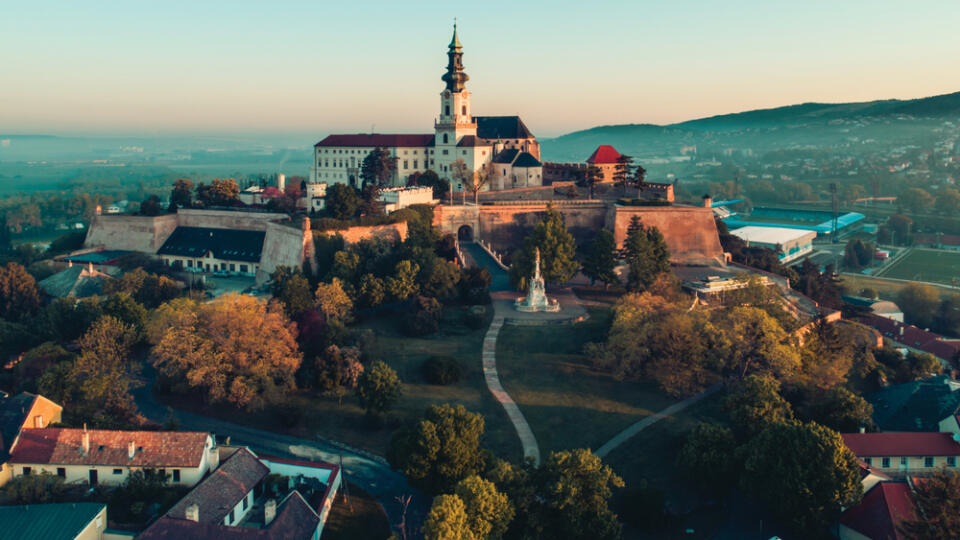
(880, 513)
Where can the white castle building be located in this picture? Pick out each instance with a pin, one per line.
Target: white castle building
(500, 146)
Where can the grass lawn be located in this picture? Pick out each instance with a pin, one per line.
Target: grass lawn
(651, 456)
(358, 515)
(927, 265)
(567, 403)
(886, 289)
(327, 417)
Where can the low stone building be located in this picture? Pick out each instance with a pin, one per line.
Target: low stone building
(20, 412)
(99, 456)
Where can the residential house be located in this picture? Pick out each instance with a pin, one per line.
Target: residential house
(237, 501)
(100, 456)
(25, 410)
(77, 281)
(880, 514)
(203, 249)
(65, 521)
(917, 405)
(901, 453)
(914, 339)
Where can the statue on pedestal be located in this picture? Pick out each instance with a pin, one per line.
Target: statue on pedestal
(536, 299)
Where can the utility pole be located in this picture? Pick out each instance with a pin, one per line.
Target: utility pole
(835, 206)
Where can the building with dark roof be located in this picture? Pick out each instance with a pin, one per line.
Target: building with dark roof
(457, 135)
(914, 338)
(76, 281)
(64, 521)
(234, 502)
(917, 405)
(204, 249)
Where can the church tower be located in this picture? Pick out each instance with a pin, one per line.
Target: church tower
(456, 118)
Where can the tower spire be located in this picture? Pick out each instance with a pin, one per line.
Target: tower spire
(455, 77)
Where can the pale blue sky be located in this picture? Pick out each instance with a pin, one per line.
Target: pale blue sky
(316, 67)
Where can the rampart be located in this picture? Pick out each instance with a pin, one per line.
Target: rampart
(227, 219)
(284, 245)
(504, 226)
(391, 231)
(689, 231)
(131, 233)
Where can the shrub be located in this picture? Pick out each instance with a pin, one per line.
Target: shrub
(442, 370)
(475, 317)
(424, 317)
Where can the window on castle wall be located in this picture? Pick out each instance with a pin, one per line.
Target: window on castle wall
(446, 110)
(444, 138)
(463, 110)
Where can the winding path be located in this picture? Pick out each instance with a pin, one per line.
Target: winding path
(624, 435)
(531, 450)
(499, 282)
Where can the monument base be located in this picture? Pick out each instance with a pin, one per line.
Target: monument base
(550, 305)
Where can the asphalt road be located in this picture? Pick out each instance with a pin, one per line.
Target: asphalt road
(365, 470)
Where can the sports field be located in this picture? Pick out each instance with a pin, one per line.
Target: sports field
(927, 265)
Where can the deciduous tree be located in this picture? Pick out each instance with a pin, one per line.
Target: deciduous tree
(19, 297)
(333, 302)
(919, 303)
(235, 349)
(804, 473)
(938, 507)
(489, 512)
(379, 388)
(181, 196)
(708, 457)
(754, 403)
(447, 520)
(443, 448)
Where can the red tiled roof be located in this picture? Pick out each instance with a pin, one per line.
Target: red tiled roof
(378, 139)
(218, 493)
(892, 444)
(603, 154)
(881, 511)
(912, 337)
(64, 446)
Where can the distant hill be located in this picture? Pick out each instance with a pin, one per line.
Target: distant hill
(943, 105)
(808, 123)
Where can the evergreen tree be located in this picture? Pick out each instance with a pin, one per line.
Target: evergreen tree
(557, 252)
(601, 258)
(378, 167)
(621, 173)
(646, 254)
(342, 201)
(181, 196)
(639, 178)
(592, 176)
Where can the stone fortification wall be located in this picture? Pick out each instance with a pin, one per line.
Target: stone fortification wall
(284, 245)
(132, 233)
(227, 219)
(393, 231)
(689, 231)
(449, 218)
(504, 226)
(535, 193)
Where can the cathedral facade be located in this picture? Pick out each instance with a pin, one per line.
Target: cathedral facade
(500, 148)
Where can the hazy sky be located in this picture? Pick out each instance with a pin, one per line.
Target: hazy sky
(319, 66)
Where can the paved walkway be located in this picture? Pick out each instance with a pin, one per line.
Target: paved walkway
(527, 440)
(624, 435)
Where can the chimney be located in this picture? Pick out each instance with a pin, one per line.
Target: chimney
(86, 440)
(131, 450)
(863, 429)
(98, 211)
(281, 181)
(707, 201)
(193, 512)
(269, 511)
(69, 264)
(90, 267)
(306, 224)
(901, 330)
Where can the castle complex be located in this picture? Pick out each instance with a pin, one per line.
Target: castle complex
(500, 147)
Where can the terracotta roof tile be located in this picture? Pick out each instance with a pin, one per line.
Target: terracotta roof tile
(110, 447)
(377, 139)
(881, 511)
(603, 154)
(893, 444)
